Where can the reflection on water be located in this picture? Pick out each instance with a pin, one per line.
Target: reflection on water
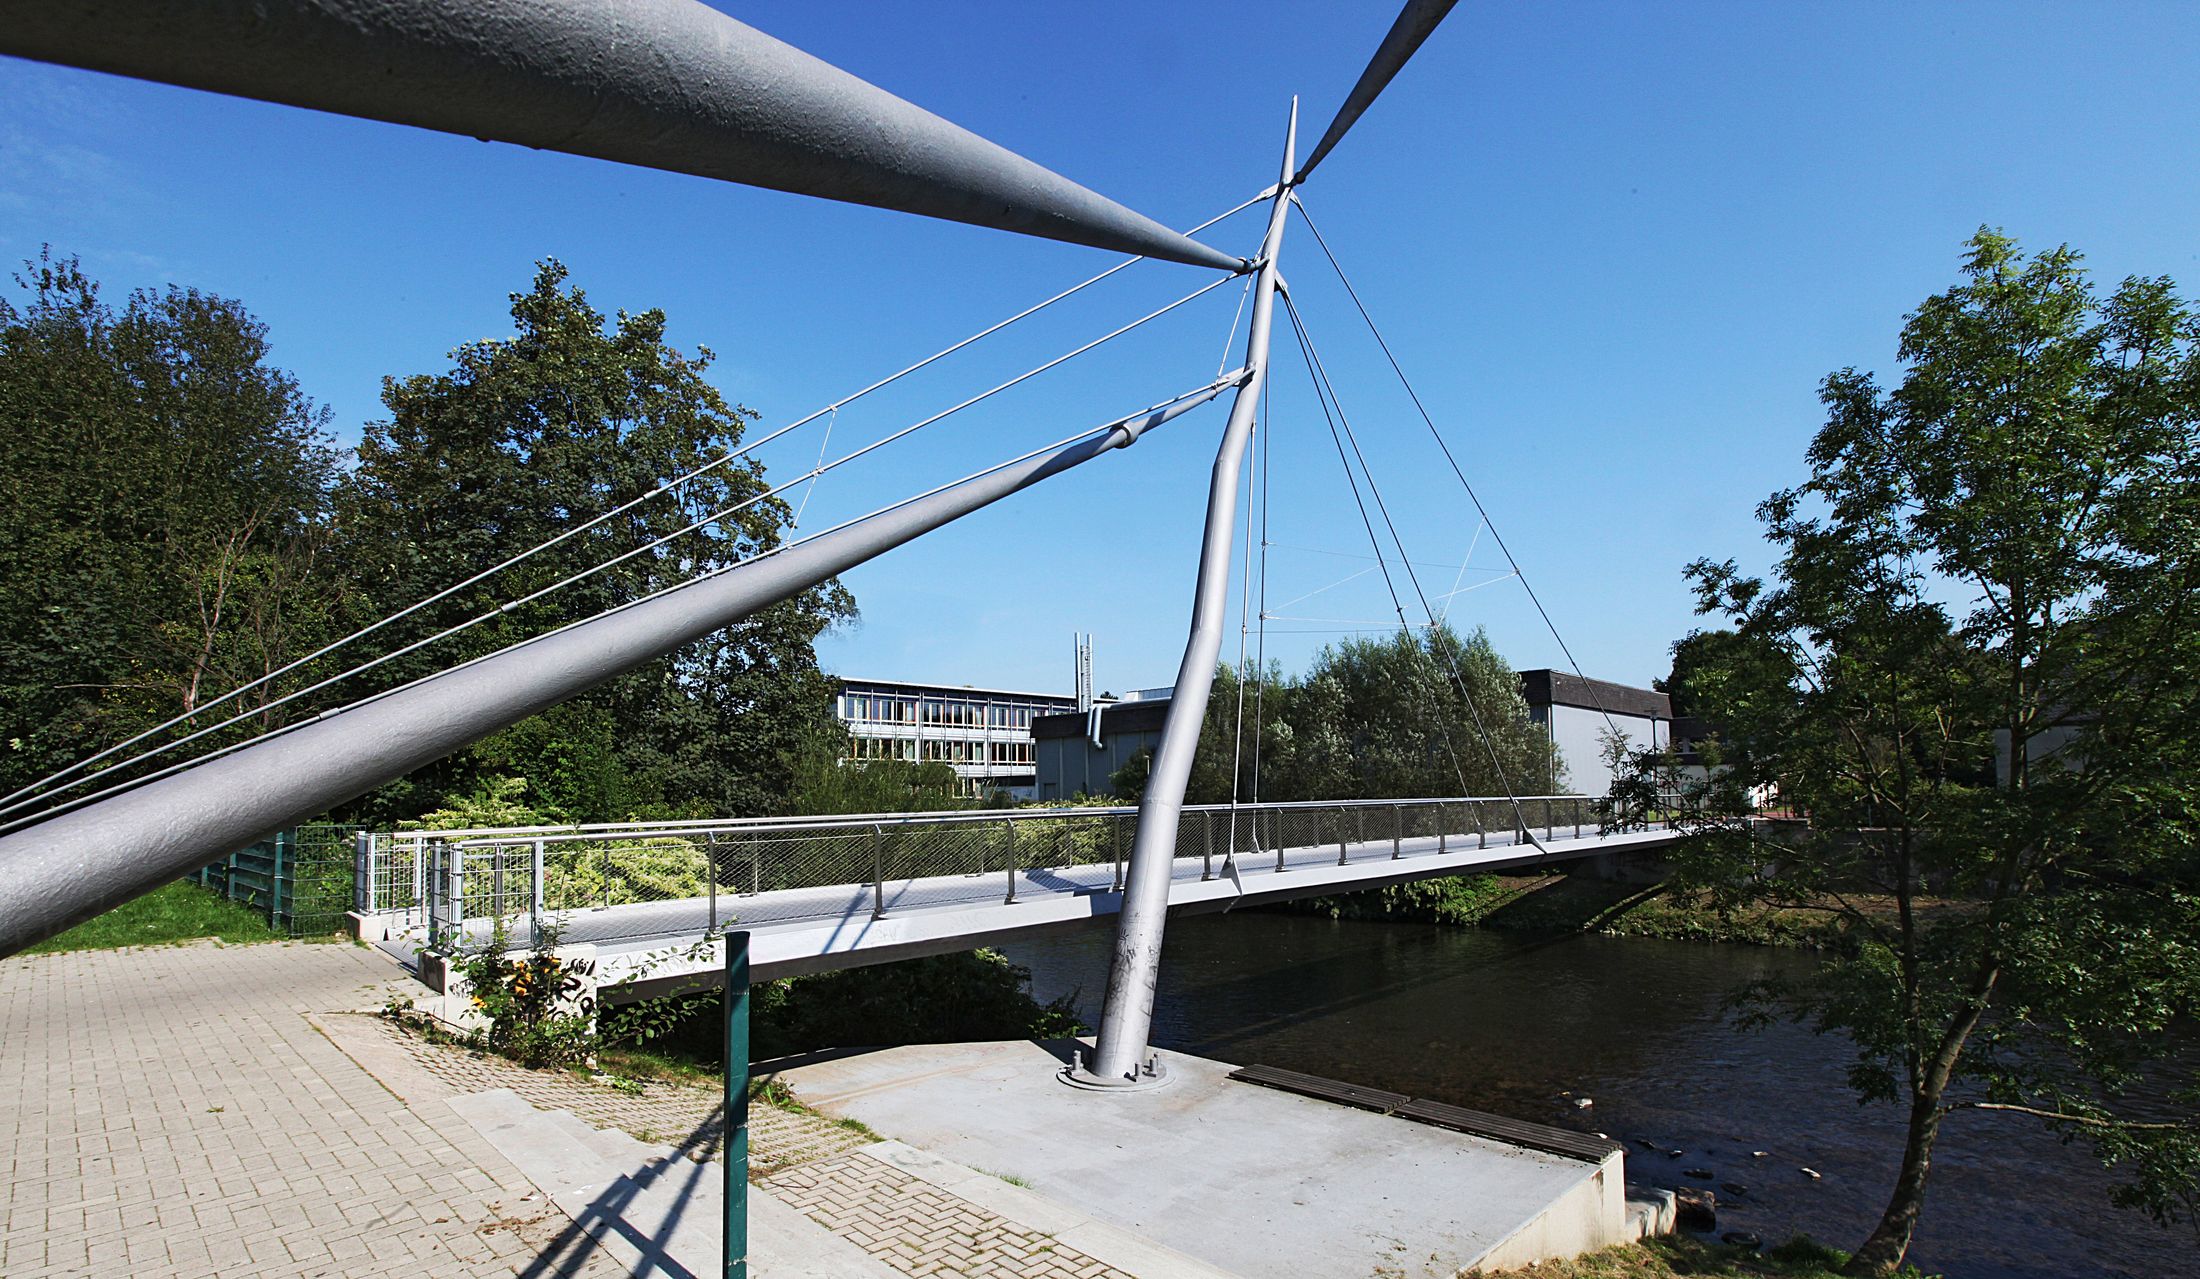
(1526, 1027)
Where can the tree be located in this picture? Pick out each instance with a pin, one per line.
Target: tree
(163, 497)
(1430, 714)
(1973, 667)
(523, 440)
(1702, 662)
(826, 782)
(1371, 719)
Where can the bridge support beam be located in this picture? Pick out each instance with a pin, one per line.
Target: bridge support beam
(1121, 1054)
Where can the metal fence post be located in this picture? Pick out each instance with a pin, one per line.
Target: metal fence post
(535, 893)
(1207, 846)
(1481, 831)
(710, 875)
(1344, 850)
(1009, 825)
(1115, 841)
(1397, 831)
(878, 871)
(734, 1242)
(454, 891)
(1550, 823)
(436, 883)
(1443, 831)
(362, 872)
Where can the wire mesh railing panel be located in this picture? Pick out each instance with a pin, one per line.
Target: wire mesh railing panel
(705, 876)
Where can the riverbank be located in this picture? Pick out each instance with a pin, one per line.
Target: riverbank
(1630, 1037)
(1578, 901)
(1681, 1256)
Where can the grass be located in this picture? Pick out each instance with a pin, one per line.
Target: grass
(172, 913)
(1681, 1257)
(772, 1092)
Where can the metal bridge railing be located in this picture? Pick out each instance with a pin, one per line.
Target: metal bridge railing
(721, 870)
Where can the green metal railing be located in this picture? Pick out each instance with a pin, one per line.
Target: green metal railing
(299, 880)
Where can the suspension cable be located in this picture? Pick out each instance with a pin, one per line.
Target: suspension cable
(18, 823)
(1323, 398)
(1456, 470)
(1489, 745)
(713, 518)
(659, 491)
(1245, 593)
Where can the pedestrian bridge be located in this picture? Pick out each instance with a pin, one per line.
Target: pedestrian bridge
(646, 903)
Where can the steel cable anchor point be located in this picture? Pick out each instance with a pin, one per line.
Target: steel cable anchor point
(1152, 1073)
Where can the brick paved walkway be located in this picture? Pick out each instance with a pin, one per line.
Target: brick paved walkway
(920, 1229)
(171, 1113)
(209, 1110)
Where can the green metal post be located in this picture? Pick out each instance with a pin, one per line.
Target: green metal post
(737, 1106)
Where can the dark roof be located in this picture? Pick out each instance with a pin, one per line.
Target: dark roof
(1564, 688)
(919, 687)
(1143, 716)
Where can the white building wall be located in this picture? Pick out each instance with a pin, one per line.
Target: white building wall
(1578, 735)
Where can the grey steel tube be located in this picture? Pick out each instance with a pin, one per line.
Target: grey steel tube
(71, 867)
(1414, 24)
(1126, 1018)
(667, 84)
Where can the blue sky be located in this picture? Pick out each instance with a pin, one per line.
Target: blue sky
(1616, 246)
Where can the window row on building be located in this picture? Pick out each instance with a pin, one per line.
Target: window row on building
(937, 712)
(1014, 753)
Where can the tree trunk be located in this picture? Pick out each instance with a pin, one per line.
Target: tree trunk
(1889, 1242)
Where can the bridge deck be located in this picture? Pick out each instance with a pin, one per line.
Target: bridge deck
(648, 945)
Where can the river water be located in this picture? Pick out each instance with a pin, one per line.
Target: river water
(1528, 1026)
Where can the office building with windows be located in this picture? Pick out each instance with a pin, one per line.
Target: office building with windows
(984, 734)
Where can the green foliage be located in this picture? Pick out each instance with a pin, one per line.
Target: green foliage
(532, 1017)
(825, 782)
(1457, 900)
(176, 524)
(493, 802)
(1371, 719)
(163, 495)
(177, 912)
(942, 999)
(520, 440)
(522, 997)
(937, 1000)
(1974, 667)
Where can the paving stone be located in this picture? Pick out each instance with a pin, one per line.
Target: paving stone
(179, 1100)
(919, 1229)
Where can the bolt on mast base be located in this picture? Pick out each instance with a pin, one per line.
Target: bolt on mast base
(1154, 1073)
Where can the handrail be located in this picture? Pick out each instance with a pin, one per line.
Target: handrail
(512, 836)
